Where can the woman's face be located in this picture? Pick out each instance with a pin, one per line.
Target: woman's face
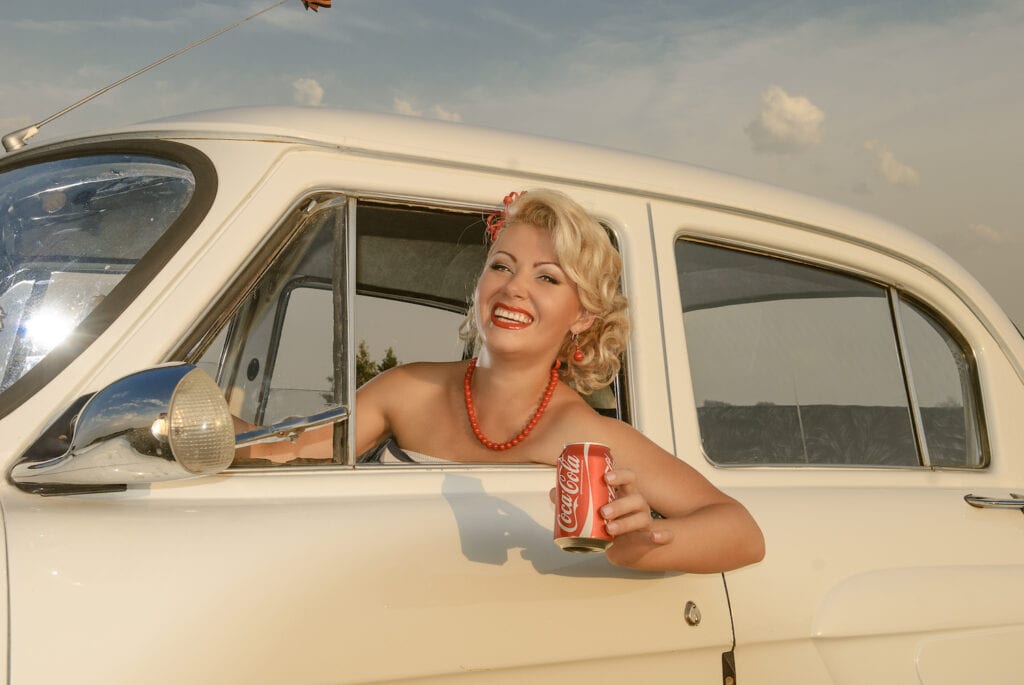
(525, 304)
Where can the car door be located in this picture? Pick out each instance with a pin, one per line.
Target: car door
(314, 568)
(852, 400)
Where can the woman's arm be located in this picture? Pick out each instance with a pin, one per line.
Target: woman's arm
(704, 530)
(371, 412)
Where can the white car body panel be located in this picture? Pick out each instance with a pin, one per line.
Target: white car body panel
(380, 573)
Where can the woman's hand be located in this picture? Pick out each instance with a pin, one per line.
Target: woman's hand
(703, 529)
(628, 519)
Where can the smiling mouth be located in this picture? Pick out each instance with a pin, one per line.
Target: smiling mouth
(506, 317)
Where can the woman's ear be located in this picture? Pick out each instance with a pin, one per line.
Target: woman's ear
(585, 321)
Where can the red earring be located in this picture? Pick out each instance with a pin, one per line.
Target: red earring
(577, 356)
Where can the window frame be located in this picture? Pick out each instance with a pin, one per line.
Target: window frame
(225, 310)
(894, 297)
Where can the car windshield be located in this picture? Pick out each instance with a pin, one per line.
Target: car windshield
(70, 230)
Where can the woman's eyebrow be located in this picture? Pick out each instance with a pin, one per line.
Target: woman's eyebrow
(508, 254)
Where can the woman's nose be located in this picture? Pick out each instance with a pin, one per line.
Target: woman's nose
(515, 286)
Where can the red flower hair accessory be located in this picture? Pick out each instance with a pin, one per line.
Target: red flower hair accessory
(496, 221)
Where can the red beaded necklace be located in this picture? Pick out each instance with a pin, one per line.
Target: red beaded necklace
(490, 444)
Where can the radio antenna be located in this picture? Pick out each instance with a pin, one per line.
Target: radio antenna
(16, 140)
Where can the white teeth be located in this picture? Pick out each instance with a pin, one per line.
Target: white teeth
(503, 313)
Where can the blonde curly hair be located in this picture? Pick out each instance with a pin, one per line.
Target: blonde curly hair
(588, 258)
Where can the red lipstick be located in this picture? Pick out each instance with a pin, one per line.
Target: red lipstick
(509, 317)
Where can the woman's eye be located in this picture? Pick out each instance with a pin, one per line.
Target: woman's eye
(499, 266)
(549, 279)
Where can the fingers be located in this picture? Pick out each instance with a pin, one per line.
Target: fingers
(629, 512)
(621, 478)
(628, 524)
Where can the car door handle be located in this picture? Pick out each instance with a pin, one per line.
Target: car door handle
(1016, 502)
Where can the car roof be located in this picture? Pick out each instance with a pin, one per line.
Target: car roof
(533, 157)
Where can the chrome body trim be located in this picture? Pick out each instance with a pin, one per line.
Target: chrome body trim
(1016, 502)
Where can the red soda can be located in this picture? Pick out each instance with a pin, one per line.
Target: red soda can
(579, 495)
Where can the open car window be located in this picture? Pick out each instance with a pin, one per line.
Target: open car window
(357, 287)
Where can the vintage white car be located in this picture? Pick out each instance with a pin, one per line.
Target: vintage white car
(849, 383)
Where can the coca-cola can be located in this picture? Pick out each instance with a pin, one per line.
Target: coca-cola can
(580, 493)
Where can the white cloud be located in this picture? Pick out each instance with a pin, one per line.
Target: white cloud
(441, 113)
(405, 107)
(786, 123)
(987, 234)
(307, 91)
(437, 111)
(891, 169)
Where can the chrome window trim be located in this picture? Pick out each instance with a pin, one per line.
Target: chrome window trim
(908, 378)
(352, 231)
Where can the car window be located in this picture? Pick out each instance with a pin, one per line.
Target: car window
(71, 230)
(793, 364)
(415, 273)
(942, 378)
(296, 341)
(311, 330)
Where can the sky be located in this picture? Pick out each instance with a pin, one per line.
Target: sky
(912, 110)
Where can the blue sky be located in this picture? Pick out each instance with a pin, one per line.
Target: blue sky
(911, 110)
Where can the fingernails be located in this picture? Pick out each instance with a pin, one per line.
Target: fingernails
(611, 527)
(606, 511)
(610, 477)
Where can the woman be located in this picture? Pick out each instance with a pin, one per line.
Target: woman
(549, 323)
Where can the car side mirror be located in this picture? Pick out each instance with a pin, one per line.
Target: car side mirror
(164, 423)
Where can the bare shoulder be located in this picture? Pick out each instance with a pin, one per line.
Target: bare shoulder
(578, 421)
(413, 377)
(630, 447)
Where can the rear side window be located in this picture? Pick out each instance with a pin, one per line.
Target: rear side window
(792, 364)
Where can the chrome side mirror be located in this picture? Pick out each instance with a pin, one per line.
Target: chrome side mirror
(164, 423)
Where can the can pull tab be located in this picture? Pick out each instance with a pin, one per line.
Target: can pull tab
(692, 614)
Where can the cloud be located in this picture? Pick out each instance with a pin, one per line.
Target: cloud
(891, 169)
(307, 91)
(405, 107)
(441, 113)
(785, 123)
(987, 234)
(411, 110)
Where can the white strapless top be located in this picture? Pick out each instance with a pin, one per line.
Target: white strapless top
(391, 453)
